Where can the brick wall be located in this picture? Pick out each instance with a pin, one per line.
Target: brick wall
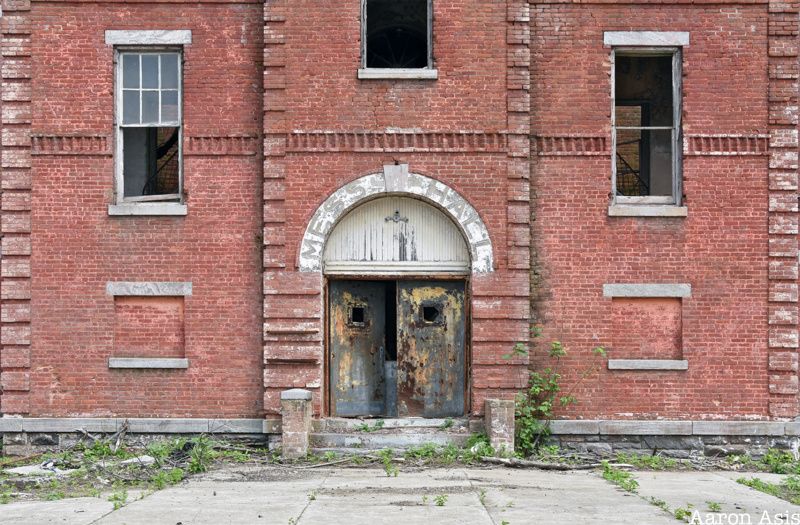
(77, 247)
(518, 122)
(720, 248)
(443, 129)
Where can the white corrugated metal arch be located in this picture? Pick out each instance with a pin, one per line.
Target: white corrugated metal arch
(394, 235)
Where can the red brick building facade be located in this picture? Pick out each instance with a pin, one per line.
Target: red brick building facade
(208, 298)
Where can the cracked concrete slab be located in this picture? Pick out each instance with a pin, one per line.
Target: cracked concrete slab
(490, 496)
(679, 489)
(533, 496)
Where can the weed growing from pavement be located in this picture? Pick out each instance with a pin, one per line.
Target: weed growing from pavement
(387, 457)
(660, 503)
(440, 500)
(534, 406)
(620, 478)
(788, 489)
(366, 427)
(684, 513)
(119, 498)
(649, 462)
(713, 506)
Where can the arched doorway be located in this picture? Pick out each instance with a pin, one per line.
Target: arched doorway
(397, 333)
(397, 250)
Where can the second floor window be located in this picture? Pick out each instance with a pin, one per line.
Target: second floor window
(646, 126)
(396, 34)
(149, 126)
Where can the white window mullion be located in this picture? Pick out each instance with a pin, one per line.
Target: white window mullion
(159, 88)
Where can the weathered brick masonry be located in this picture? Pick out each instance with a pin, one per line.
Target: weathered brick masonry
(60, 327)
(276, 121)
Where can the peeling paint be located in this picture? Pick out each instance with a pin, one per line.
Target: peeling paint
(396, 180)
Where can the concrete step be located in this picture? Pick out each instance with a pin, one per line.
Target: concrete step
(399, 440)
(354, 425)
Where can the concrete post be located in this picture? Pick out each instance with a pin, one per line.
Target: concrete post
(295, 422)
(499, 423)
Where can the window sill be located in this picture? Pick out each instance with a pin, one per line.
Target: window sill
(647, 210)
(397, 74)
(147, 208)
(147, 362)
(647, 364)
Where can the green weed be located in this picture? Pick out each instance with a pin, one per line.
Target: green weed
(366, 427)
(646, 461)
(620, 478)
(119, 498)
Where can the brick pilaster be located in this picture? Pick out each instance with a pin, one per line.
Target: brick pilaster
(292, 300)
(783, 208)
(15, 226)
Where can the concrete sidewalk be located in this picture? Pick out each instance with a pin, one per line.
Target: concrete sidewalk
(271, 495)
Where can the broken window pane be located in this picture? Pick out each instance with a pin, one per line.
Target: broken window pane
(397, 33)
(150, 161)
(644, 124)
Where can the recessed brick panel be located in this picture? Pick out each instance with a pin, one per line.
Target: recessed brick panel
(646, 328)
(148, 327)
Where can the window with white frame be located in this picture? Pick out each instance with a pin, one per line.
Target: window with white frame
(646, 125)
(396, 34)
(149, 125)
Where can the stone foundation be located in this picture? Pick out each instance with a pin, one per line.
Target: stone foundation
(678, 447)
(28, 443)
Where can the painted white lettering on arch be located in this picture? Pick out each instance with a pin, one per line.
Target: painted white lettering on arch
(396, 179)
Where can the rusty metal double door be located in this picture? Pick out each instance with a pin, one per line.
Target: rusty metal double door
(397, 348)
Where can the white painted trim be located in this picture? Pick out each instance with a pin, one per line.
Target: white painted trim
(647, 210)
(646, 38)
(147, 362)
(390, 267)
(148, 37)
(645, 290)
(647, 364)
(149, 288)
(397, 74)
(132, 209)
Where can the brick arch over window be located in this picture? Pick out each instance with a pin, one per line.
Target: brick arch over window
(396, 180)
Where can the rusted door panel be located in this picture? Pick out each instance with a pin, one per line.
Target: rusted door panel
(357, 342)
(430, 348)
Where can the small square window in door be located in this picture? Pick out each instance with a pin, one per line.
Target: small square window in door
(432, 313)
(358, 316)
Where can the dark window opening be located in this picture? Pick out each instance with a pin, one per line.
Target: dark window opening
(391, 320)
(432, 313)
(644, 125)
(357, 315)
(397, 34)
(151, 161)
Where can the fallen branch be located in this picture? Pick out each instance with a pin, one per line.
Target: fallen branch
(88, 435)
(542, 465)
(119, 436)
(345, 460)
